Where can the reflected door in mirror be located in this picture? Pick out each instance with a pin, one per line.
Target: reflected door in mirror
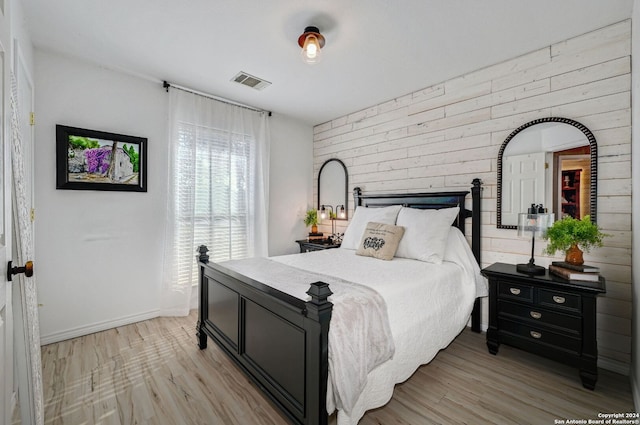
(522, 184)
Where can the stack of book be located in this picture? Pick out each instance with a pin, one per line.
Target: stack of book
(584, 272)
(315, 236)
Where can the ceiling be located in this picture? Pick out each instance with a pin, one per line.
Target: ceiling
(375, 50)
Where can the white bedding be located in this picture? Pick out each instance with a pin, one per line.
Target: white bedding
(408, 286)
(427, 306)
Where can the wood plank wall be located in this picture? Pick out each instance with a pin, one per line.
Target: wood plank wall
(443, 136)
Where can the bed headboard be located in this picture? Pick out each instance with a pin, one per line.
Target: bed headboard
(437, 200)
(434, 200)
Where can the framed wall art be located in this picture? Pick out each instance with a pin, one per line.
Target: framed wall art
(97, 160)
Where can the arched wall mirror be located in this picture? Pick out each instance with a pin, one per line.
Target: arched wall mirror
(333, 184)
(550, 161)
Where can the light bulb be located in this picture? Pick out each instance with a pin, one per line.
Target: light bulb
(311, 50)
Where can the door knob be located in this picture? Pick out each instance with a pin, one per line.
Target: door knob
(27, 269)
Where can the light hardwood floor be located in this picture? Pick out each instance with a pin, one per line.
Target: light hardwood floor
(145, 373)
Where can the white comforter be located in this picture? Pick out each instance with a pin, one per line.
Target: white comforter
(428, 306)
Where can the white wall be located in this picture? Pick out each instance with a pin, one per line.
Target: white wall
(100, 253)
(290, 181)
(445, 135)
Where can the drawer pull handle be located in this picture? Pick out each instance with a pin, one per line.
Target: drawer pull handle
(558, 299)
(536, 335)
(535, 314)
(514, 291)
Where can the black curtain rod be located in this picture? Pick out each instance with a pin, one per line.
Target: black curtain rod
(166, 85)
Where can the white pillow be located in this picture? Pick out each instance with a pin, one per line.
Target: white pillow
(362, 216)
(425, 233)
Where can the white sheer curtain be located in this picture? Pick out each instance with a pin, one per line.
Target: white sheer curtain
(217, 189)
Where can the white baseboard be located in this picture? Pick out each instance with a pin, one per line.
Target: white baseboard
(96, 327)
(614, 366)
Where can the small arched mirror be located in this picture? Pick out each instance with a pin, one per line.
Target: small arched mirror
(333, 184)
(549, 161)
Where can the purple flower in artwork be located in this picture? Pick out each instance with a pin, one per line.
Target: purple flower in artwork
(98, 159)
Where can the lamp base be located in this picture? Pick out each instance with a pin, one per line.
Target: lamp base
(530, 268)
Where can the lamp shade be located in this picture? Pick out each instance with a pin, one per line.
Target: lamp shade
(312, 43)
(534, 225)
(323, 211)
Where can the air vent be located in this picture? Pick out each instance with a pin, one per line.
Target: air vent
(250, 81)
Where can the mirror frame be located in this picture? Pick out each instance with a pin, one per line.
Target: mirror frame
(346, 186)
(593, 158)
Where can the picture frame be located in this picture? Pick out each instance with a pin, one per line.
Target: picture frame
(98, 160)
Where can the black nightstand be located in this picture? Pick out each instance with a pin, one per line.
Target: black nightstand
(545, 315)
(316, 245)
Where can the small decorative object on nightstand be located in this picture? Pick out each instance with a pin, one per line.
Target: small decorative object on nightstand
(311, 219)
(533, 224)
(307, 245)
(570, 234)
(546, 315)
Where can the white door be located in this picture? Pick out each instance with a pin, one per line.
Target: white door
(523, 184)
(25, 309)
(7, 396)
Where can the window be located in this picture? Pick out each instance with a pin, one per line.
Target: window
(220, 215)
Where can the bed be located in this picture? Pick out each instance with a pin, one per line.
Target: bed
(280, 338)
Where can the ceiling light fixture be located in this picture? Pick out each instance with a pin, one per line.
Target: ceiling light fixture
(311, 42)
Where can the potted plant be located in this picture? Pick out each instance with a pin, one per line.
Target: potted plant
(572, 236)
(311, 219)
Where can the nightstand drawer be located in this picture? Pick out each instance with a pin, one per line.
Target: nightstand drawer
(559, 300)
(572, 325)
(540, 335)
(515, 291)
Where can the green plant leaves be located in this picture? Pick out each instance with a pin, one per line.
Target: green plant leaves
(568, 231)
(311, 219)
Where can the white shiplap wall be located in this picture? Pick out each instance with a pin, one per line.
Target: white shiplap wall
(442, 137)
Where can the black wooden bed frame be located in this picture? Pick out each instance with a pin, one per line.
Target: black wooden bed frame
(281, 342)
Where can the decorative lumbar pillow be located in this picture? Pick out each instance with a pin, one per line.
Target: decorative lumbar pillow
(362, 216)
(426, 233)
(380, 240)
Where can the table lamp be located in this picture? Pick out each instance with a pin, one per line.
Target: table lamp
(323, 215)
(533, 224)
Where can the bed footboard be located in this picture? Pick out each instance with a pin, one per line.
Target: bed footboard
(244, 317)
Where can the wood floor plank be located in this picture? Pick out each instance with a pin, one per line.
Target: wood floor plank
(152, 372)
